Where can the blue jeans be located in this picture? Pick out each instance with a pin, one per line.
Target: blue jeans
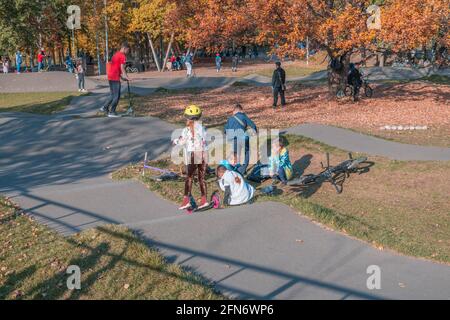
(237, 146)
(115, 88)
(40, 66)
(81, 81)
(282, 175)
(18, 67)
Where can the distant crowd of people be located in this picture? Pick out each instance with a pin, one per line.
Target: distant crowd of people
(43, 62)
(186, 62)
(183, 62)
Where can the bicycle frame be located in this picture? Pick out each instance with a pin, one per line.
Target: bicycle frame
(335, 175)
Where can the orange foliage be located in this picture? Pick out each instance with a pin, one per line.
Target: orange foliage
(408, 24)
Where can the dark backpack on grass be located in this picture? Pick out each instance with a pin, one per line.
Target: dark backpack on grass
(256, 174)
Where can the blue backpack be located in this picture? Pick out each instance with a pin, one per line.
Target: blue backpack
(256, 175)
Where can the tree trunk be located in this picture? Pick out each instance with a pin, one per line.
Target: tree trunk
(178, 49)
(53, 55)
(337, 79)
(161, 50)
(168, 51)
(382, 59)
(31, 58)
(155, 57)
(363, 56)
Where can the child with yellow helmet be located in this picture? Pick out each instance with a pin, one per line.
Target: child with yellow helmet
(193, 139)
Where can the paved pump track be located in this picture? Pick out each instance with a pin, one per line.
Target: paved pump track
(57, 169)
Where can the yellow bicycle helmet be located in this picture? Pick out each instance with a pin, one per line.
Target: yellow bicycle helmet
(193, 112)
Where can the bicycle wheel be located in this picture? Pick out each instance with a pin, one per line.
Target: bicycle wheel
(340, 94)
(354, 164)
(368, 91)
(348, 91)
(306, 180)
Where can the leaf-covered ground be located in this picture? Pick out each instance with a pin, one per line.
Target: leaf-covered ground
(420, 103)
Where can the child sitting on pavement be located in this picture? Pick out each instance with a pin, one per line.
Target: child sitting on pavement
(280, 166)
(237, 190)
(232, 163)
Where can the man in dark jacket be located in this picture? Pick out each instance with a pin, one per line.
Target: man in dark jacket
(279, 85)
(355, 80)
(235, 129)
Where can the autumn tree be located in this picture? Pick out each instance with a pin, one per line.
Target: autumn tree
(411, 24)
(338, 27)
(28, 25)
(221, 24)
(149, 17)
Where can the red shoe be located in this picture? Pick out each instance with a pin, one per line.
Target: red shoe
(186, 204)
(203, 203)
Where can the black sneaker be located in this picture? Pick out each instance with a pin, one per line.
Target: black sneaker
(113, 115)
(104, 110)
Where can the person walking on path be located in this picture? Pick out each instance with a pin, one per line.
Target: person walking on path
(173, 63)
(189, 64)
(18, 61)
(279, 85)
(115, 73)
(193, 140)
(79, 70)
(236, 133)
(6, 65)
(218, 62)
(40, 59)
(69, 64)
(234, 62)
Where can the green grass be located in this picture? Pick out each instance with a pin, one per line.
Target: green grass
(438, 79)
(178, 91)
(381, 207)
(36, 102)
(292, 71)
(114, 263)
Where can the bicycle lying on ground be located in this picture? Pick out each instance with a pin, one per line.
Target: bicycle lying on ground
(335, 175)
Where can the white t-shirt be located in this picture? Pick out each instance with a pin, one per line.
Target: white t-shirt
(241, 192)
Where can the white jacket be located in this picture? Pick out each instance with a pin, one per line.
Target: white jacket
(193, 141)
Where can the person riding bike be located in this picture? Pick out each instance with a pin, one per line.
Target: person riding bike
(355, 80)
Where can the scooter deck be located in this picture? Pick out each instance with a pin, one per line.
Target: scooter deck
(209, 207)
